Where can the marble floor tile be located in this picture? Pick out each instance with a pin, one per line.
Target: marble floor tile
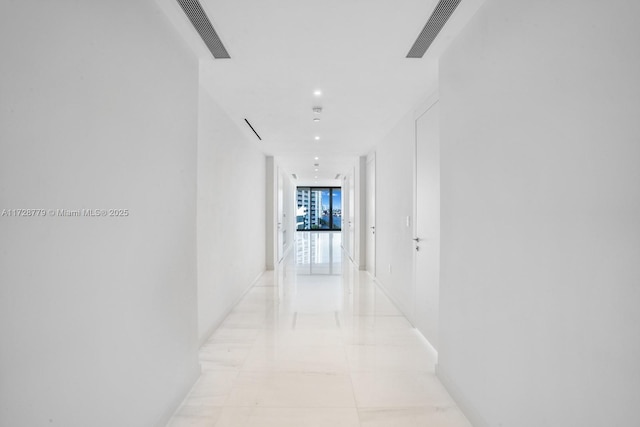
(380, 323)
(288, 417)
(301, 337)
(196, 416)
(249, 320)
(433, 416)
(365, 336)
(283, 389)
(212, 388)
(378, 358)
(316, 343)
(297, 358)
(317, 321)
(235, 335)
(223, 356)
(398, 389)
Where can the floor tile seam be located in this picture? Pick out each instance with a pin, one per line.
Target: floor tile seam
(228, 393)
(220, 370)
(297, 372)
(272, 406)
(394, 407)
(246, 357)
(254, 344)
(353, 389)
(405, 407)
(276, 371)
(377, 315)
(291, 344)
(389, 346)
(390, 371)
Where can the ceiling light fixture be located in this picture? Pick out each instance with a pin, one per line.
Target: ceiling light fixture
(316, 119)
(316, 158)
(317, 92)
(317, 138)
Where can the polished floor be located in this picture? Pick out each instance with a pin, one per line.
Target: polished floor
(316, 344)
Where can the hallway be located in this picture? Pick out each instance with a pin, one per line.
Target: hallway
(316, 343)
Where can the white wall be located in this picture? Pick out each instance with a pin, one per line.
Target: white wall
(540, 207)
(231, 206)
(394, 202)
(97, 315)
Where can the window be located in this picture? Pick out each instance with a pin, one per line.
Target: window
(319, 208)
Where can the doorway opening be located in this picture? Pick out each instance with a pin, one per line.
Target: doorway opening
(319, 208)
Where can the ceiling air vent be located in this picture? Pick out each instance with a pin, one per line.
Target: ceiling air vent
(201, 22)
(438, 18)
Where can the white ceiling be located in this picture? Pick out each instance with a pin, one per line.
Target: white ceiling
(352, 50)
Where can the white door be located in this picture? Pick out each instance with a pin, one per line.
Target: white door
(280, 217)
(351, 225)
(427, 225)
(371, 214)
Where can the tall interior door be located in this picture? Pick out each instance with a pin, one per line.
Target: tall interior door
(371, 215)
(427, 224)
(280, 216)
(351, 224)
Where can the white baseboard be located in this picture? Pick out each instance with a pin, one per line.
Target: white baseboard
(463, 403)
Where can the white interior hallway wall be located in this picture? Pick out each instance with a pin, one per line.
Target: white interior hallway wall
(540, 207)
(394, 214)
(540, 200)
(231, 207)
(98, 315)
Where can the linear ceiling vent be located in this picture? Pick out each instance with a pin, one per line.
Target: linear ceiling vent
(201, 22)
(254, 131)
(438, 18)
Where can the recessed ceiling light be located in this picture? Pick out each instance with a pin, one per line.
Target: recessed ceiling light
(317, 92)
(316, 170)
(316, 119)
(315, 177)
(317, 138)
(316, 158)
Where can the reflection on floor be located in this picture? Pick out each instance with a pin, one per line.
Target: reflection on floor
(317, 344)
(318, 252)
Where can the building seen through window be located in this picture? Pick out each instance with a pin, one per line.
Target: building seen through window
(319, 208)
